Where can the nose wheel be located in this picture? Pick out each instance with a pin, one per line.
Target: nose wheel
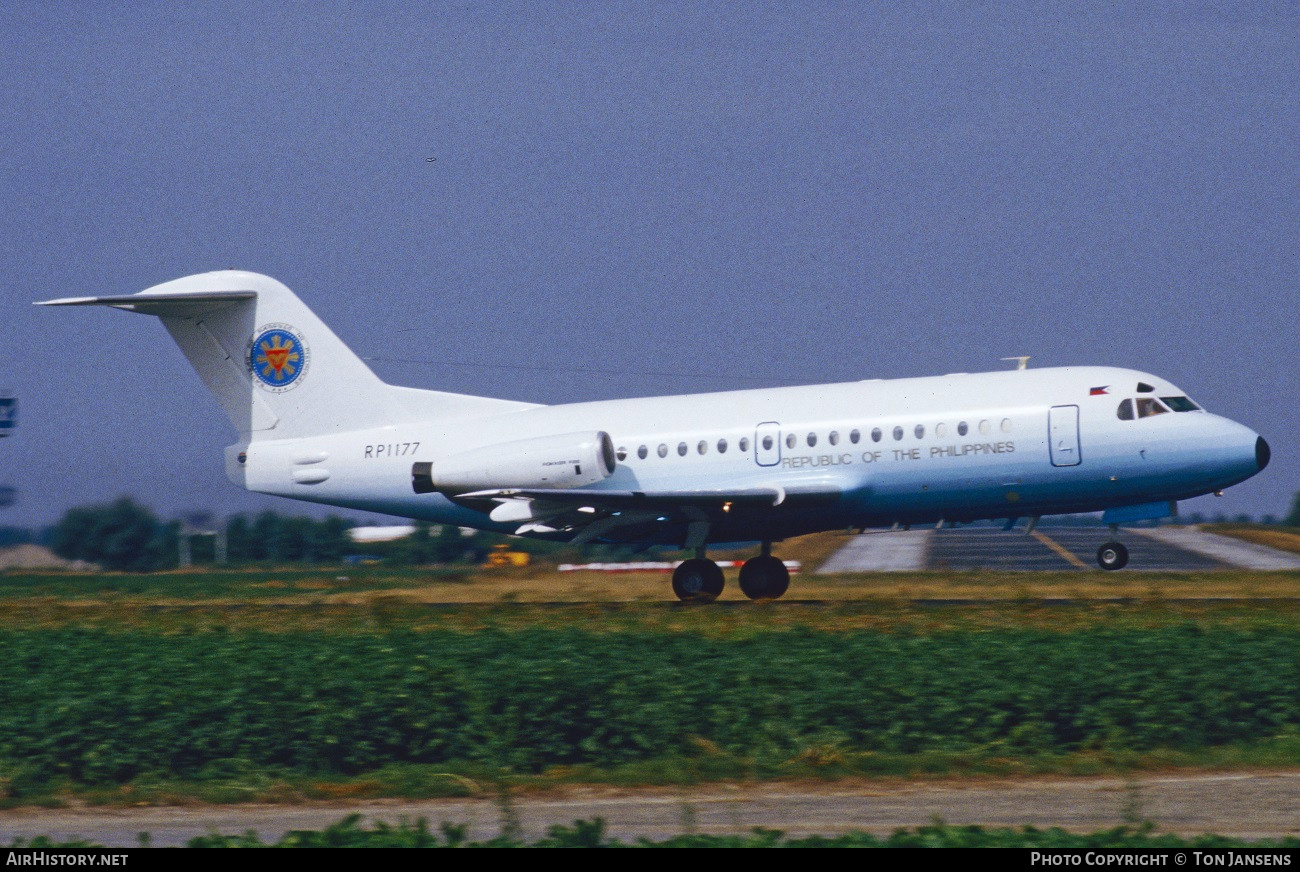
(698, 580)
(1112, 556)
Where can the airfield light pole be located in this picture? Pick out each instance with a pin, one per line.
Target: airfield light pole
(8, 421)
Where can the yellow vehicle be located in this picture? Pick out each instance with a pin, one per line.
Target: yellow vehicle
(502, 557)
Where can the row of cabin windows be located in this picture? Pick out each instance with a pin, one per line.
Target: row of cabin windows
(683, 449)
(792, 440)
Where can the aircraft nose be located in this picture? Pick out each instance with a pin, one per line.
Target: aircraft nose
(1262, 453)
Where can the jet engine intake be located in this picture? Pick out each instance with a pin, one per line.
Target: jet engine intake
(563, 461)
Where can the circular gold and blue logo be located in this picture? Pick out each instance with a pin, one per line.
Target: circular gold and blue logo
(278, 357)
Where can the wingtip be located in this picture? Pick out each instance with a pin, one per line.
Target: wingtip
(64, 301)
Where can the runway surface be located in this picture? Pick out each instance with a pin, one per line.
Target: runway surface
(1050, 549)
(1249, 805)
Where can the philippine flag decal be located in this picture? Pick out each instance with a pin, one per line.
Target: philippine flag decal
(1097, 392)
(278, 357)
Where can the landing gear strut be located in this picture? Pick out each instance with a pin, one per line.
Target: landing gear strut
(1112, 555)
(764, 577)
(698, 580)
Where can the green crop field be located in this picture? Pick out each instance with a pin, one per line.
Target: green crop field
(103, 708)
(282, 684)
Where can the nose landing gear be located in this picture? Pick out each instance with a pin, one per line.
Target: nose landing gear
(1112, 555)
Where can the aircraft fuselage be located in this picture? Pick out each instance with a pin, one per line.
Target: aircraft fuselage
(906, 451)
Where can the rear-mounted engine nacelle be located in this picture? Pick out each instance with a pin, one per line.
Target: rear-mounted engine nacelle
(564, 461)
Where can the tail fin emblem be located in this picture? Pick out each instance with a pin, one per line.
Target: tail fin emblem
(278, 357)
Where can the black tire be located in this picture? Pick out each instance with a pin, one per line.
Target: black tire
(698, 580)
(764, 578)
(1112, 556)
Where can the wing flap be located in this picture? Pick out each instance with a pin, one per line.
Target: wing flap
(621, 499)
(587, 514)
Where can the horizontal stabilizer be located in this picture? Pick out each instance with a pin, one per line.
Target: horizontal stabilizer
(182, 305)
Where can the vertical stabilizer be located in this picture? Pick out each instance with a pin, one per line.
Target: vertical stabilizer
(276, 369)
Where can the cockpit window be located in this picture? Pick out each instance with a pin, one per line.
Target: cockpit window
(1144, 388)
(1148, 406)
(1125, 410)
(1181, 404)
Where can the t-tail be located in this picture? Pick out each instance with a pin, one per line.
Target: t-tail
(276, 369)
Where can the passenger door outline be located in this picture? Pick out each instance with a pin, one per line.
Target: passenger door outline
(1063, 436)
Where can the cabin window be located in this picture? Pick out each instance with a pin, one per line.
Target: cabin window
(682, 449)
(663, 450)
(875, 434)
(1148, 406)
(703, 447)
(767, 443)
(1125, 410)
(722, 446)
(834, 438)
(854, 436)
(744, 444)
(898, 434)
(1181, 404)
(962, 429)
(985, 427)
(791, 441)
(812, 440)
(940, 431)
(919, 431)
(1006, 425)
(642, 452)
(622, 454)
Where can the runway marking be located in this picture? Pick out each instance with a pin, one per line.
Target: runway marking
(1225, 549)
(1059, 549)
(897, 551)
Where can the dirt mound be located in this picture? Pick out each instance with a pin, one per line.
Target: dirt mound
(39, 557)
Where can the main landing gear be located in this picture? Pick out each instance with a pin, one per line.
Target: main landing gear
(761, 578)
(698, 580)
(1112, 555)
(764, 577)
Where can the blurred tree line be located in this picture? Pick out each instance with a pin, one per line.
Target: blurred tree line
(270, 537)
(127, 537)
(122, 536)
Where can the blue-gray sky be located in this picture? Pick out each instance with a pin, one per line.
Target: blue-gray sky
(558, 202)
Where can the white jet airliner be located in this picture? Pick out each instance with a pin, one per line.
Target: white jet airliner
(740, 466)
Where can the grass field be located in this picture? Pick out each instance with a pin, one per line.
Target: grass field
(373, 598)
(1282, 538)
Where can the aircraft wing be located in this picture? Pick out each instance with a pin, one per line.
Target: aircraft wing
(591, 513)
